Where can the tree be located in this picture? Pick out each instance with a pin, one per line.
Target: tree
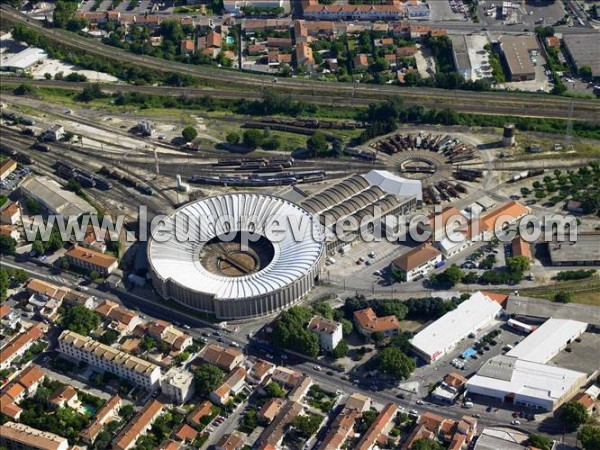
(426, 444)
(453, 274)
(377, 337)
(273, 389)
(90, 92)
(323, 309)
(291, 333)
(126, 412)
(589, 437)
(94, 275)
(317, 143)
(81, 320)
(7, 245)
(518, 264)
(540, 441)
(585, 72)
(33, 206)
(307, 425)
(233, 138)
(573, 414)
(206, 378)
(340, 350)
(563, 297)
(109, 337)
(252, 139)
(189, 134)
(4, 281)
(347, 327)
(395, 363)
(21, 276)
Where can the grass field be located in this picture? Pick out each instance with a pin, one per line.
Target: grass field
(585, 292)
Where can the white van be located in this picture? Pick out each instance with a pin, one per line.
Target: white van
(468, 404)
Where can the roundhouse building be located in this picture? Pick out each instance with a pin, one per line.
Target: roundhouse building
(212, 269)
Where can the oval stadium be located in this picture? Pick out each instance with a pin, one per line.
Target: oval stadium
(235, 256)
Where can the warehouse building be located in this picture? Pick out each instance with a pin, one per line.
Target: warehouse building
(367, 199)
(442, 335)
(582, 252)
(23, 61)
(7, 167)
(583, 50)
(548, 340)
(517, 53)
(536, 309)
(525, 383)
(82, 348)
(460, 56)
(55, 199)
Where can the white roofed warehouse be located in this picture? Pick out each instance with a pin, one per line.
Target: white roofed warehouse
(236, 256)
(525, 383)
(442, 335)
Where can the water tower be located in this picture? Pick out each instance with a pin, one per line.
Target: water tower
(508, 137)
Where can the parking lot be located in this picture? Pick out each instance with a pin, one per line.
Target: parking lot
(11, 182)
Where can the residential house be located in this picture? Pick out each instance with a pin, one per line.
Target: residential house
(204, 409)
(301, 389)
(450, 388)
(11, 214)
(187, 47)
(417, 262)
(225, 358)
(6, 168)
(520, 247)
(185, 434)
(272, 435)
(287, 377)
(361, 61)
(329, 332)
(10, 231)
(232, 385)
(257, 49)
(17, 345)
(233, 441)
(64, 396)
(104, 415)
(378, 430)
(260, 371)
(304, 56)
(279, 43)
(138, 426)
(9, 317)
(586, 400)
(367, 323)
(31, 378)
(164, 331)
(270, 409)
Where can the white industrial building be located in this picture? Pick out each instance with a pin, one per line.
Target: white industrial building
(442, 336)
(55, 199)
(22, 61)
(548, 340)
(525, 383)
(395, 185)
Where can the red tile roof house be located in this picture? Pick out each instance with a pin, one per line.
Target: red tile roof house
(367, 323)
(417, 262)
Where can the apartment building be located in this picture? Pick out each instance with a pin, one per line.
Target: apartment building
(222, 357)
(82, 348)
(329, 332)
(178, 384)
(141, 423)
(91, 260)
(17, 436)
(104, 415)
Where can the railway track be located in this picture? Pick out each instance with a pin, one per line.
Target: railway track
(118, 192)
(222, 81)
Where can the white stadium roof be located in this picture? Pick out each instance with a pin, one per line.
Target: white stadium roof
(179, 260)
(547, 340)
(393, 184)
(470, 315)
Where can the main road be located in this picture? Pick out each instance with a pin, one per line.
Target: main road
(339, 94)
